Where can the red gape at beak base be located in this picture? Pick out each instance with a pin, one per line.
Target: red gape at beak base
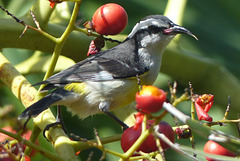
(178, 30)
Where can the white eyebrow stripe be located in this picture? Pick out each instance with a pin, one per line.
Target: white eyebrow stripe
(144, 25)
(140, 25)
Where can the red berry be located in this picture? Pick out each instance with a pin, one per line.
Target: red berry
(215, 148)
(109, 19)
(27, 158)
(130, 136)
(150, 99)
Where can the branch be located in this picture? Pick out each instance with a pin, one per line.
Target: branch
(23, 90)
(43, 151)
(19, 86)
(76, 46)
(225, 140)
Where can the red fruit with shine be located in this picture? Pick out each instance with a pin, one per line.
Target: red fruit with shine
(150, 99)
(130, 136)
(109, 19)
(215, 148)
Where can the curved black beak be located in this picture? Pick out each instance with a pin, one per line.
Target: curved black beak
(176, 29)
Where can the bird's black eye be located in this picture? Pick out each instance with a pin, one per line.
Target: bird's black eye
(171, 24)
(155, 29)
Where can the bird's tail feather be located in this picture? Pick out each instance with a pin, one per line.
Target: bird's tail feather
(41, 105)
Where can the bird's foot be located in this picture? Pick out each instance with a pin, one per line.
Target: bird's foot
(55, 124)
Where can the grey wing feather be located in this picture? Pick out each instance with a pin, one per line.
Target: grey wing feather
(103, 66)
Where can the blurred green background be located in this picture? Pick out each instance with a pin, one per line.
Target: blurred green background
(211, 64)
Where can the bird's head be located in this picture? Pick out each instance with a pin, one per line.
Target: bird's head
(156, 29)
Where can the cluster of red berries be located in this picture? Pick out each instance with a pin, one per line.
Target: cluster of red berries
(149, 100)
(131, 135)
(12, 152)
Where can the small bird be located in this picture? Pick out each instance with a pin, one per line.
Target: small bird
(110, 79)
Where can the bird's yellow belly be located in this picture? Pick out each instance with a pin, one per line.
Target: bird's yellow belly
(87, 96)
(118, 93)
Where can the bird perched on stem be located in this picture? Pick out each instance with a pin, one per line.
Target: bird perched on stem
(109, 79)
